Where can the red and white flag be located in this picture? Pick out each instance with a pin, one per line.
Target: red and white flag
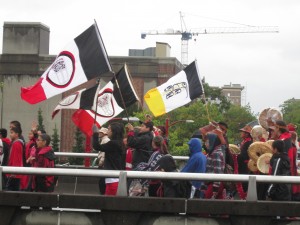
(81, 60)
(102, 104)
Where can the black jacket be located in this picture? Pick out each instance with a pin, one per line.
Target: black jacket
(114, 154)
(280, 164)
(142, 144)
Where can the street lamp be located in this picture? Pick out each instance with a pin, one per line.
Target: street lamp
(168, 124)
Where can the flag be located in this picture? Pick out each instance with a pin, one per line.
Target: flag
(81, 60)
(105, 103)
(82, 99)
(177, 91)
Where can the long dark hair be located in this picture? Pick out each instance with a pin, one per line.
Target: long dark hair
(117, 130)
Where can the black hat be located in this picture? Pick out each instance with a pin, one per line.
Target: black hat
(167, 163)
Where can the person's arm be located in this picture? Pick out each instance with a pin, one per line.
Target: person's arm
(134, 141)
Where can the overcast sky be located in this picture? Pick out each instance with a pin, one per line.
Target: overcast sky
(268, 65)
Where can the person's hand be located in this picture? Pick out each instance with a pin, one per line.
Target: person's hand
(95, 128)
(129, 127)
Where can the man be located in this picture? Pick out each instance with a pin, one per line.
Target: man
(15, 159)
(142, 142)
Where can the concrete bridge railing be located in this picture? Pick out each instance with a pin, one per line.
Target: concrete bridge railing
(130, 210)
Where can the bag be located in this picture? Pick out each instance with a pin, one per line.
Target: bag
(136, 188)
(184, 189)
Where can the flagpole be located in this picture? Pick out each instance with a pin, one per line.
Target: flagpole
(96, 99)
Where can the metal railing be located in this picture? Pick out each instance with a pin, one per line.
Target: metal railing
(94, 155)
(123, 175)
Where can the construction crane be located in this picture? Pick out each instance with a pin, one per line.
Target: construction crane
(187, 35)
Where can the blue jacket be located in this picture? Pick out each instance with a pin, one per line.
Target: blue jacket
(197, 160)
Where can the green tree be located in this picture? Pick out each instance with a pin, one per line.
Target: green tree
(77, 148)
(214, 93)
(55, 141)
(40, 120)
(291, 111)
(237, 117)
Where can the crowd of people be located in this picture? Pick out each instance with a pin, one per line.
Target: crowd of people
(37, 152)
(145, 148)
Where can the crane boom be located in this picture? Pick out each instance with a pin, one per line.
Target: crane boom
(187, 35)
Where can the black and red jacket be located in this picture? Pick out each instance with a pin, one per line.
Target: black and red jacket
(44, 158)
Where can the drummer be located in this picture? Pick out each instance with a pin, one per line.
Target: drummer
(243, 158)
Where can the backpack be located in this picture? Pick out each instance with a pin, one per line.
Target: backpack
(184, 188)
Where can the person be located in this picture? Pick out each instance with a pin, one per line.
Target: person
(5, 145)
(142, 142)
(17, 124)
(163, 132)
(114, 153)
(44, 158)
(243, 157)
(104, 139)
(145, 187)
(195, 164)
(4, 152)
(101, 157)
(29, 154)
(215, 164)
(159, 149)
(281, 133)
(15, 159)
(171, 188)
(280, 166)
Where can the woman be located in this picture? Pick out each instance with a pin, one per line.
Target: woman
(114, 153)
(44, 158)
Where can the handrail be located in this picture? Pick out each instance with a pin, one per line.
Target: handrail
(123, 175)
(94, 155)
(149, 175)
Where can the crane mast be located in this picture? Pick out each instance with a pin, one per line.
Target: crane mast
(188, 35)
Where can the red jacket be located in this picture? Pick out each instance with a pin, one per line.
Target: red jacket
(44, 159)
(16, 155)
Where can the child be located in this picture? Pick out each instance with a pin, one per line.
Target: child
(15, 159)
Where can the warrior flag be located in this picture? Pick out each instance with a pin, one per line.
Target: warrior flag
(108, 101)
(81, 60)
(176, 92)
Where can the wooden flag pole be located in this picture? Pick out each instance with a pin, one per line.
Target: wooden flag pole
(88, 139)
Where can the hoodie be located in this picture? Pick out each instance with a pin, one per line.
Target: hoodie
(280, 166)
(196, 162)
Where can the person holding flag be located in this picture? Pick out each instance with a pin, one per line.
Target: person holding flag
(114, 153)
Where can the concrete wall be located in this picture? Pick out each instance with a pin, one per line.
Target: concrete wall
(25, 38)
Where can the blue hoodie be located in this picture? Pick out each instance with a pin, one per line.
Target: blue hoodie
(197, 160)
